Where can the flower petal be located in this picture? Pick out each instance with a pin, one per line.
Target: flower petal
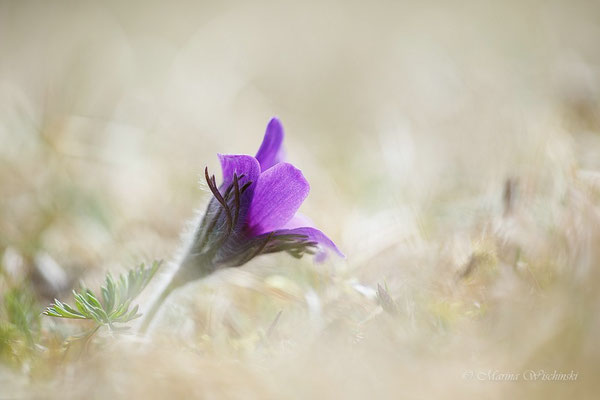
(271, 150)
(240, 165)
(298, 221)
(278, 194)
(315, 235)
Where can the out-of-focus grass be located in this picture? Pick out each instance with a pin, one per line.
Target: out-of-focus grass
(452, 153)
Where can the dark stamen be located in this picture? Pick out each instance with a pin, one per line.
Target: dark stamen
(291, 237)
(236, 193)
(246, 186)
(213, 188)
(260, 248)
(297, 247)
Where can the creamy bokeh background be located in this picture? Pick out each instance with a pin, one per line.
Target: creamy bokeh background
(407, 118)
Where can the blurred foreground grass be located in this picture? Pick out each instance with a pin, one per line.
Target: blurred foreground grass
(452, 153)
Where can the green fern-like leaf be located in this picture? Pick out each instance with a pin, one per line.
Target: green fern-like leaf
(114, 304)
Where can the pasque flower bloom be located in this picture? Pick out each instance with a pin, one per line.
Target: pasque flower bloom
(252, 212)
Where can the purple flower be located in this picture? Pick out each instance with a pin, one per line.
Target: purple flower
(254, 210)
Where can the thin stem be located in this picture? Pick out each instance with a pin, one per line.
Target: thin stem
(192, 268)
(149, 316)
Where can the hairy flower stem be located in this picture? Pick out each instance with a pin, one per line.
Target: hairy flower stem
(191, 268)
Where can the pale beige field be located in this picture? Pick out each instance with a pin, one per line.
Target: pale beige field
(453, 151)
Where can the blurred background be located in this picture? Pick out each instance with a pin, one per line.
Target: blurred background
(452, 150)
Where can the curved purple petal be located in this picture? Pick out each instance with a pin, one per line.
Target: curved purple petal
(271, 150)
(298, 221)
(278, 194)
(240, 165)
(315, 235)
